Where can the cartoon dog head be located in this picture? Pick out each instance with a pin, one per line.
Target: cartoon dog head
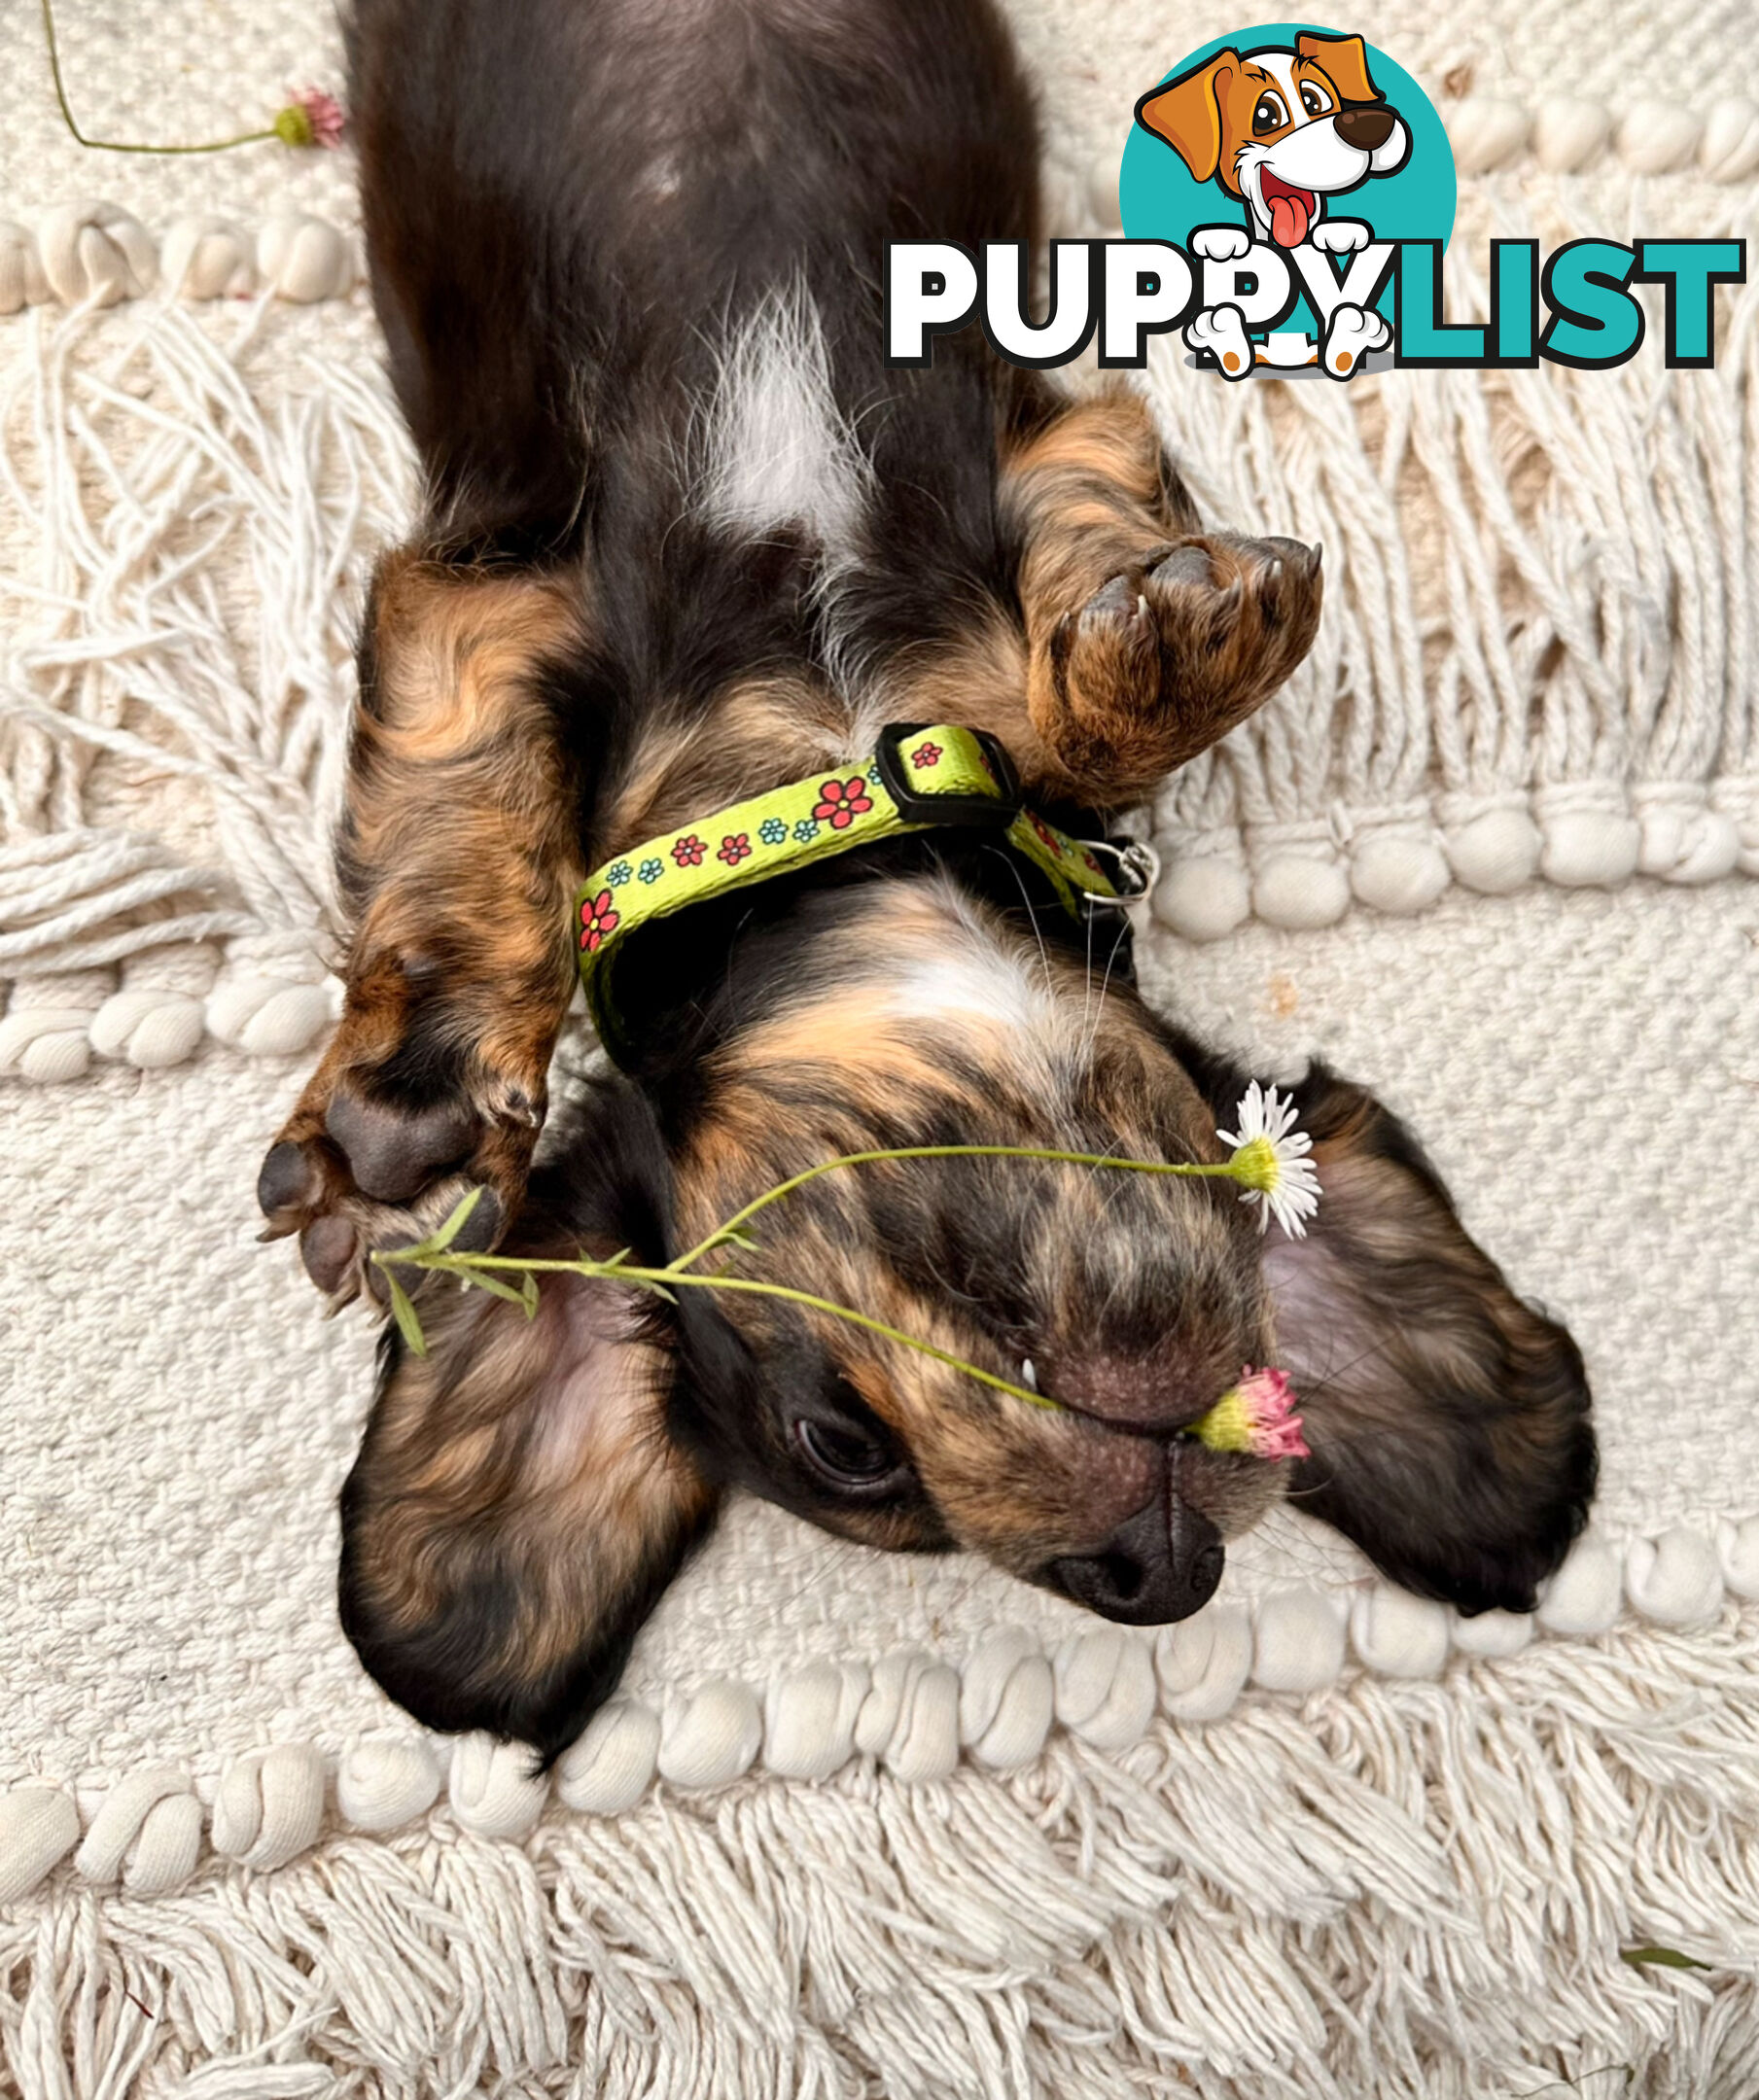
(1281, 129)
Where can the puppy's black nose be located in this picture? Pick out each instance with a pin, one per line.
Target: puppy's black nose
(1162, 1564)
(1366, 128)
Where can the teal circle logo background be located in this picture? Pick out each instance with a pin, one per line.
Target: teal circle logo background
(1160, 199)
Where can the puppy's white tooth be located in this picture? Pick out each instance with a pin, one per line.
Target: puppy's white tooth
(1027, 1376)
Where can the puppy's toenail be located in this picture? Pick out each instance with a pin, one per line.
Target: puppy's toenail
(286, 1177)
(1278, 547)
(1116, 596)
(327, 1247)
(1185, 565)
(520, 1107)
(392, 1152)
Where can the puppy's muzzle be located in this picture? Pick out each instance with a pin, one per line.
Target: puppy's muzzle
(1366, 128)
(1161, 1564)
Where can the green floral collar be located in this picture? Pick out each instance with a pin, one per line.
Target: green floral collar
(921, 776)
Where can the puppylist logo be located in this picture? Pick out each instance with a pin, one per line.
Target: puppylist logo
(1289, 171)
(1288, 196)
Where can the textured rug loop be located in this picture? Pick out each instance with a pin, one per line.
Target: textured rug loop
(1435, 1892)
(914, 1714)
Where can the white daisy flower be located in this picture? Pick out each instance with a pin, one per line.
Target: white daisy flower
(1270, 1159)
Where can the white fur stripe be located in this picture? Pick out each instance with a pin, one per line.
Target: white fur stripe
(779, 450)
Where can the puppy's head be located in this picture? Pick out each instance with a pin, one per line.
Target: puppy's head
(1281, 129)
(925, 1018)
(525, 1493)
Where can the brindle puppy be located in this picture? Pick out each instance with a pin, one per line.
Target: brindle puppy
(688, 538)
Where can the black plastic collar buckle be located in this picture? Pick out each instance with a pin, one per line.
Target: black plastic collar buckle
(995, 811)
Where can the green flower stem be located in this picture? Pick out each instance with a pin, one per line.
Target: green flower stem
(430, 1254)
(245, 138)
(1226, 1170)
(662, 1281)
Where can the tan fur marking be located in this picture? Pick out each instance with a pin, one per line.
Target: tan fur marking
(760, 734)
(1110, 439)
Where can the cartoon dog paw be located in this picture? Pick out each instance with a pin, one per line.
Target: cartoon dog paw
(1221, 243)
(1353, 332)
(1340, 236)
(1221, 331)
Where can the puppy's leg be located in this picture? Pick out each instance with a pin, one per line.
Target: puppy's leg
(459, 852)
(1146, 637)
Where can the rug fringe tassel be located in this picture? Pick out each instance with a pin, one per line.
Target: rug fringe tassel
(1419, 1889)
(196, 523)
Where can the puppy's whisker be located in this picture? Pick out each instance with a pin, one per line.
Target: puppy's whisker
(1118, 943)
(1311, 1386)
(1032, 917)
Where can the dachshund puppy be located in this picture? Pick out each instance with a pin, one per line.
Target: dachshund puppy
(688, 539)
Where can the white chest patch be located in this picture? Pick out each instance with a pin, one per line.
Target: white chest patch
(780, 452)
(973, 983)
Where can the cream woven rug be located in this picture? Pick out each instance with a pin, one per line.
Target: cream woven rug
(861, 1825)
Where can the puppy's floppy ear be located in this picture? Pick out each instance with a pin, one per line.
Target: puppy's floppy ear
(1186, 113)
(1345, 59)
(1448, 1419)
(518, 1505)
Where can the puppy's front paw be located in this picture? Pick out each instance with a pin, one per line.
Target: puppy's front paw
(395, 1127)
(1163, 660)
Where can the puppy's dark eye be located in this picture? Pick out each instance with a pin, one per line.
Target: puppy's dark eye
(854, 1458)
(1313, 101)
(1269, 113)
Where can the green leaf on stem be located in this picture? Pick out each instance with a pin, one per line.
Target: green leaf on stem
(442, 1236)
(481, 1280)
(404, 1313)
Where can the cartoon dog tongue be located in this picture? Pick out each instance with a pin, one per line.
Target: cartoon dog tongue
(1289, 210)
